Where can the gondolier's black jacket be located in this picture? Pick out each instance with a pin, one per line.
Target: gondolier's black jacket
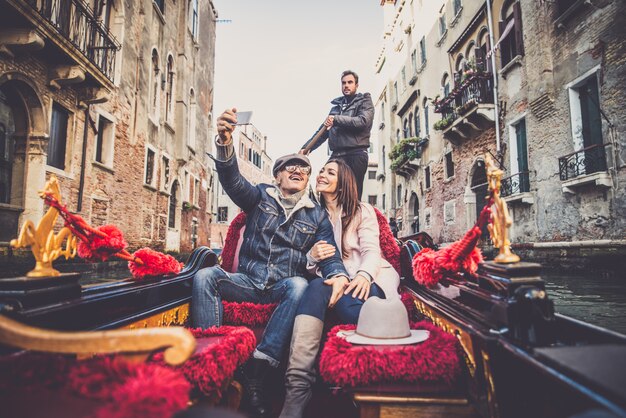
(351, 126)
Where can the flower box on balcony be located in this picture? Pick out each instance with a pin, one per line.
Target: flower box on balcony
(403, 153)
(442, 124)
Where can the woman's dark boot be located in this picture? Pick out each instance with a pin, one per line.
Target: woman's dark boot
(254, 372)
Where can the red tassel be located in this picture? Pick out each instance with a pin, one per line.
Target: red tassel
(388, 246)
(101, 247)
(154, 264)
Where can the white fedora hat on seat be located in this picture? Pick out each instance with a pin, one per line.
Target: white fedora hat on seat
(384, 322)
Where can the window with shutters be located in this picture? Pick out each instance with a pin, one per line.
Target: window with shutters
(149, 167)
(426, 127)
(511, 37)
(518, 146)
(449, 165)
(105, 142)
(57, 144)
(417, 121)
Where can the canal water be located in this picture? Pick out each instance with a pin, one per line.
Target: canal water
(597, 299)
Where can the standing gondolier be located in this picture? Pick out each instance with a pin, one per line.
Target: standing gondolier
(347, 128)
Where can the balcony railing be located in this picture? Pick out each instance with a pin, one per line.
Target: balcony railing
(77, 22)
(515, 184)
(476, 89)
(586, 161)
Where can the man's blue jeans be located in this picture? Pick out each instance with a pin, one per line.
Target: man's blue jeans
(212, 284)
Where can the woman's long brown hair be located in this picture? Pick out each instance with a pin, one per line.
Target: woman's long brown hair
(347, 197)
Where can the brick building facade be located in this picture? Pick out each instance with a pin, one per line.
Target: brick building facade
(114, 97)
(560, 73)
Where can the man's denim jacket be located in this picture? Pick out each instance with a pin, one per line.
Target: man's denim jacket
(275, 246)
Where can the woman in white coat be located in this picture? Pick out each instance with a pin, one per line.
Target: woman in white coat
(357, 236)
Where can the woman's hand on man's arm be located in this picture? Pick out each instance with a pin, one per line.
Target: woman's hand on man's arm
(338, 283)
(322, 250)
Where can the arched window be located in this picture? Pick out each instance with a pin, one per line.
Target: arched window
(154, 91)
(459, 67)
(417, 121)
(410, 123)
(482, 62)
(397, 135)
(414, 206)
(469, 53)
(406, 128)
(191, 120)
(445, 84)
(171, 219)
(169, 88)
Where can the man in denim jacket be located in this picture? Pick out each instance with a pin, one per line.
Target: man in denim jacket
(282, 225)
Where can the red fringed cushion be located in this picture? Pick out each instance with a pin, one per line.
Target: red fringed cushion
(388, 246)
(247, 314)
(230, 243)
(436, 360)
(213, 365)
(118, 388)
(101, 248)
(130, 389)
(154, 264)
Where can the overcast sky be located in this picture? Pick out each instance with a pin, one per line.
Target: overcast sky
(283, 61)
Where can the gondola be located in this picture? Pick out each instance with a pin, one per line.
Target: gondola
(518, 357)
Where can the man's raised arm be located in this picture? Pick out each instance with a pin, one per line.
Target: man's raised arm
(240, 190)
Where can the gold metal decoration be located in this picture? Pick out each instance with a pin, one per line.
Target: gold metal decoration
(176, 316)
(45, 245)
(500, 218)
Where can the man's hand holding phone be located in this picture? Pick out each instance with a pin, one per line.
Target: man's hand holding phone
(226, 124)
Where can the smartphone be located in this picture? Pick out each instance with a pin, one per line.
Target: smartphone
(243, 118)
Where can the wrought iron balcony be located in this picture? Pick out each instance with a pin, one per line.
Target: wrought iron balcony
(76, 22)
(515, 184)
(468, 109)
(476, 89)
(584, 162)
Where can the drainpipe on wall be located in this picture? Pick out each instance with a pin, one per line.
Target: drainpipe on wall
(81, 185)
(495, 79)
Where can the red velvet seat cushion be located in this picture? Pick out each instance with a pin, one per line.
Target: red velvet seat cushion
(33, 384)
(436, 360)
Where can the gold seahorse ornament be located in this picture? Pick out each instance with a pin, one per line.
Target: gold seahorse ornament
(500, 218)
(45, 245)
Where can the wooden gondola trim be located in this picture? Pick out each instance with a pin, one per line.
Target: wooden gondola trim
(177, 342)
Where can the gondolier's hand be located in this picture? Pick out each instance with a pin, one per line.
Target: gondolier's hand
(338, 283)
(328, 123)
(361, 286)
(226, 124)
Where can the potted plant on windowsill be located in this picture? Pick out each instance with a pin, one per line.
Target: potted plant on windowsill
(442, 124)
(187, 206)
